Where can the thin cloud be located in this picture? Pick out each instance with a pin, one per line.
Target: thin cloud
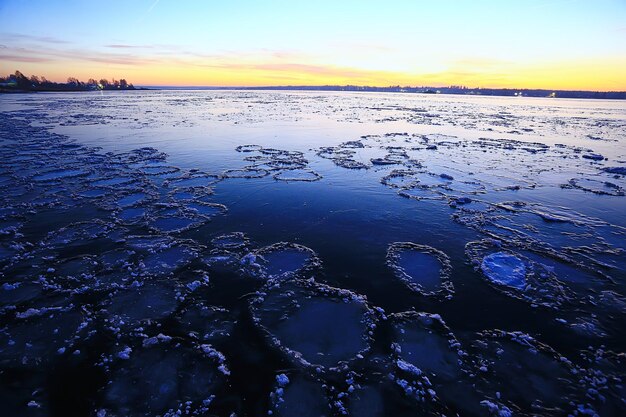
(22, 58)
(76, 55)
(124, 46)
(33, 38)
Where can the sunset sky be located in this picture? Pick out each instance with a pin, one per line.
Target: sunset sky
(553, 44)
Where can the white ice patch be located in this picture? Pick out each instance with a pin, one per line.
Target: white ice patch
(504, 269)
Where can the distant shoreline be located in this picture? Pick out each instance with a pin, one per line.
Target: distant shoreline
(24, 91)
(486, 92)
(497, 92)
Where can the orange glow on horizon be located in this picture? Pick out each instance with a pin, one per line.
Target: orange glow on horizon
(593, 75)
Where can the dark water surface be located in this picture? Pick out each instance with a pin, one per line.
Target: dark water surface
(305, 254)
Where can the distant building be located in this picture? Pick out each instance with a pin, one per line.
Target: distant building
(9, 83)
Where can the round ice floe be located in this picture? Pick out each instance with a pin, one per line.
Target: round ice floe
(74, 272)
(165, 377)
(280, 164)
(338, 323)
(222, 260)
(156, 170)
(132, 215)
(113, 181)
(400, 178)
(467, 187)
(424, 341)
(185, 195)
(422, 192)
(230, 241)
(60, 174)
(281, 261)
(193, 181)
(77, 233)
(176, 221)
(305, 175)
(113, 279)
(149, 243)
(524, 375)
(248, 148)
(299, 396)
(138, 303)
(430, 179)
(166, 261)
(182, 194)
(377, 389)
(424, 269)
(430, 364)
(454, 201)
(516, 275)
(206, 209)
(258, 159)
(37, 335)
(354, 144)
(388, 160)
(468, 207)
(95, 193)
(206, 323)
(145, 154)
(134, 199)
(245, 173)
(596, 186)
(278, 152)
(504, 269)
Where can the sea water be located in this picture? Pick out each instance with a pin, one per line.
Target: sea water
(218, 252)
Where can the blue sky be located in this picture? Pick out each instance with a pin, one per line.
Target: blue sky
(487, 43)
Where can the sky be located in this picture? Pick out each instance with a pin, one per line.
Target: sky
(552, 44)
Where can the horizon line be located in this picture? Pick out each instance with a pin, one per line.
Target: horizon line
(355, 86)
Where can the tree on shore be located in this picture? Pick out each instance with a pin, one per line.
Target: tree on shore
(19, 82)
